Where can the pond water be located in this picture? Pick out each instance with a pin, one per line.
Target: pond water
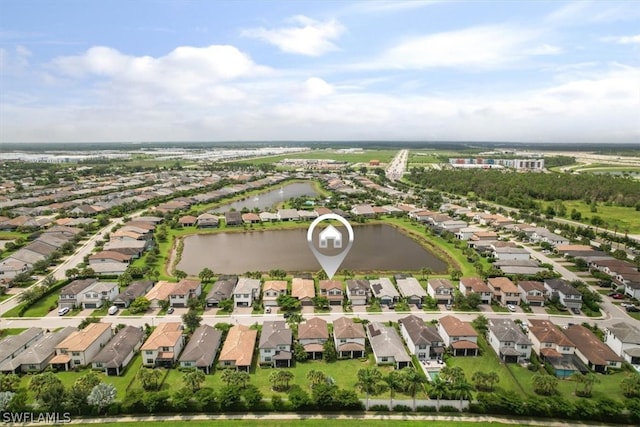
(376, 247)
(264, 201)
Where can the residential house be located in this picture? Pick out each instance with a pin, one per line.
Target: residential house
(567, 295)
(250, 218)
(70, 294)
(99, 294)
(184, 290)
(458, 335)
(237, 351)
(363, 210)
(358, 291)
(79, 348)
(553, 347)
(288, 215)
(222, 290)
(504, 290)
(624, 339)
(201, 350)
(268, 217)
(532, 292)
(187, 220)
(591, 351)
(246, 292)
(207, 220)
(349, 338)
(387, 346)
(384, 291)
(133, 248)
(508, 341)
(160, 292)
(135, 290)
(233, 218)
(13, 345)
(332, 290)
(304, 290)
(108, 257)
(11, 267)
(510, 253)
(411, 289)
(163, 346)
(312, 334)
(441, 290)
(275, 344)
(118, 353)
(271, 290)
(423, 340)
(476, 285)
(36, 357)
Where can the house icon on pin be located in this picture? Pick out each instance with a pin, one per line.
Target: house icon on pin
(330, 233)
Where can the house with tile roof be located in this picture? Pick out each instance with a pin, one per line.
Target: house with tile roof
(459, 336)
(591, 351)
(422, 340)
(476, 285)
(237, 351)
(114, 357)
(271, 290)
(79, 348)
(509, 341)
(312, 334)
(553, 347)
(624, 339)
(201, 350)
(332, 290)
(349, 338)
(163, 346)
(387, 346)
(275, 344)
(304, 290)
(36, 357)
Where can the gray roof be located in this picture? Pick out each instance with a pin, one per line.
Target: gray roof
(275, 333)
(77, 286)
(222, 289)
(560, 285)
(135, 290)
(247, 286)
(420, 333)
(41, 247)
(27, 256)
(52, 240)
(385, 342)
(506, 330)
(116, 351)
(13, 343)
(288, 214)
(203, 346)
(39, 352)
(383, 287)
(120, 244)
(625, 332)
(360, 284)
(411, 287)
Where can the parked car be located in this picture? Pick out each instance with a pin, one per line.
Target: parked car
(633, 309)
(63, 311)
(575, 310)
(267, 310)
(511, 307)
(170, 310)
(617, 296)
(448, 306)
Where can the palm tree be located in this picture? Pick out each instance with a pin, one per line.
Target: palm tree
(274, 380)
(480, 379)
(545, 384)
(413, 382)
(462, 390)
(227, 376)
(193, 379)
(316, 377)
(205, 274)
(369, 382)
(492, 378)
(284, 378)
(578, 378)
(426, 271)
(395, 382)
(438, 388)
(589, 380)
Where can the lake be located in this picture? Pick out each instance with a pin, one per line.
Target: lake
(264, 201)
(376, 247)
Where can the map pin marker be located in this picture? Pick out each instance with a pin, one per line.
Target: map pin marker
(330, 236)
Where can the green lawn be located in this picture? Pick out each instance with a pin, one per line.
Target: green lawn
(624, 217)
(344, 372)
(11, 331)
(307, 422)
(365, 156)
(487, 362)
(40, 309)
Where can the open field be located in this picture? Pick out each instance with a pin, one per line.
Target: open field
(39, 309)
(626, 218)
(365, 156)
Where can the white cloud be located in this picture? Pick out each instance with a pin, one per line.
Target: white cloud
(474, 48)
(623, 39)
(305, 37)
(315, 87)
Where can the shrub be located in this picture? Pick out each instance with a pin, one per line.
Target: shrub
(379, 408)
(448, 408)
(426, 409)
(402, 408)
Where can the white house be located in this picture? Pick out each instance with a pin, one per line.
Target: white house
(567, 294)
(508, 341)
(163, 346)
(79, 348)
(624, 339)
(98, 294)
(441, 290)
(422, 340)
(246, 292)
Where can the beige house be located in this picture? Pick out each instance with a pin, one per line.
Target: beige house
(237, 351)
(304, 290)
(79, 348)
(271, 290)
(163, 346)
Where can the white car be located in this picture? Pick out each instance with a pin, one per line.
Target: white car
(113, 310)
(511, 307)
(63, 311)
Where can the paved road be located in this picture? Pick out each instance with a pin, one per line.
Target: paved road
(397, 166)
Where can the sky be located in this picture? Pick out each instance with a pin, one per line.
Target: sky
(214, 70)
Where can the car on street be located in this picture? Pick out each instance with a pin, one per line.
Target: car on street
(511, 307)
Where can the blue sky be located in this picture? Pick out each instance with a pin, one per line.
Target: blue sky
(203, 70)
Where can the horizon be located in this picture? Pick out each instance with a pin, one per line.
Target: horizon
(230, 72)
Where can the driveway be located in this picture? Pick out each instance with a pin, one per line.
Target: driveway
(243, 310)
(307, 309)
(538, 310)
